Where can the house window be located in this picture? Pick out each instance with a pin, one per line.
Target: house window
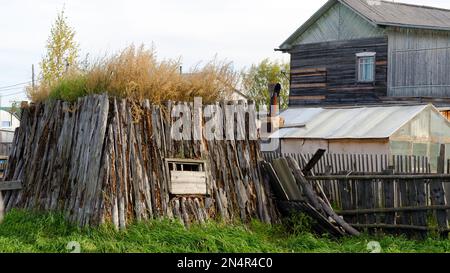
(366, 66)
(6, 124)
(187, 177)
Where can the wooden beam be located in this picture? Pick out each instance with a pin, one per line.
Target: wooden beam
(309, 85)
(308, 70)
(308, 97)
(313, 162)
(444, 177)
(405, 227)
(10, 185)
(387, 210)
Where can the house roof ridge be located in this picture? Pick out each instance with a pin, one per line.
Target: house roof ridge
(413, 5)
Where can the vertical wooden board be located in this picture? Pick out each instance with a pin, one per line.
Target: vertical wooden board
(438, 199)
(370, 200)
(335, 163)
(403, 192)
(345, 198)
(377, 165)
(360, 163)
(438, 196)
(360, 200)
(413, 201)
(388, 189)
(421, 202)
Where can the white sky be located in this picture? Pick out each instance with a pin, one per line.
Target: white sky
(242, 31)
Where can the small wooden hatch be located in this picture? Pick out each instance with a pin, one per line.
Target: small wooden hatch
(187, 176)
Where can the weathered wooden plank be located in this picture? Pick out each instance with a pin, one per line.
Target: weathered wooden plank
(345, 197)
(369, 177)
(10, 185)
(339, 63)
(391, 210)
(360, 200)
(438, 192)
(389, 195)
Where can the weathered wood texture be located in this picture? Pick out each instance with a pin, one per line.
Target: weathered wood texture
(5, 148)
(326, 73)
(381, 192)
(337, 24)
(102, 160)
(363, 164)
(360, 163)
(419, 63)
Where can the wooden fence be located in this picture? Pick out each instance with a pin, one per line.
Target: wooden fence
(362, 163)
(406, 202)
(5, 149)
(381, 192)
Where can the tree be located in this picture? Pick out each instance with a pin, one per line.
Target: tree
(256, 82)
(62, 51)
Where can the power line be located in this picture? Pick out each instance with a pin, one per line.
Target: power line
(14, 85)
(12, 94)
(11, 89)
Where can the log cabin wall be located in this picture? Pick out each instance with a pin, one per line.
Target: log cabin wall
(419, 63)
(102, 160)
(326, 73)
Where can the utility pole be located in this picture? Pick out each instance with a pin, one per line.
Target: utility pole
(32, 77)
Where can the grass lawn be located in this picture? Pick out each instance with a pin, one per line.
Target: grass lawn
(30, 232)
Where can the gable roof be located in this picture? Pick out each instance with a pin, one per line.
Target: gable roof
(383, 14)
(346, 123)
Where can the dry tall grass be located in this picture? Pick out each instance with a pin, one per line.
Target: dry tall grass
(136, 73)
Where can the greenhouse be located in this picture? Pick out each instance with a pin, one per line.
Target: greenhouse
(394, 130)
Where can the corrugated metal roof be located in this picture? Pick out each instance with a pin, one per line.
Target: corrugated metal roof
(347, 123)
(384, 13)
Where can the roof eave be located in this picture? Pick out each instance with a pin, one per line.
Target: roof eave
(387, 24)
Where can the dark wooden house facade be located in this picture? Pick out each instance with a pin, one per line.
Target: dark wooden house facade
(371, 52)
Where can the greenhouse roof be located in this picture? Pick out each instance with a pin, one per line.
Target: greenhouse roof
(346, 123)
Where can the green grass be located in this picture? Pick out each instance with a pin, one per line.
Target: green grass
(70, 89)
(31, 232)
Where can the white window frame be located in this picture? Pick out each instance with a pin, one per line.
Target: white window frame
(370, 57)
(176, 169)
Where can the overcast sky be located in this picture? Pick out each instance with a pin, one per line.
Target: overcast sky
(242, 31)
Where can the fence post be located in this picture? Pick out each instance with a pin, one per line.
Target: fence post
(438, 191)
(2, 207)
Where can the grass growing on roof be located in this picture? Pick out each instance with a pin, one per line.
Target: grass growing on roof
(136, 73)
(34, 232)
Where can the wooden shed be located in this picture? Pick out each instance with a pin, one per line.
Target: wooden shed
(371, 52)
(103, 159)
(393, 130)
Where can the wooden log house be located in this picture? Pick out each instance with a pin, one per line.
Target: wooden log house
(371, 52)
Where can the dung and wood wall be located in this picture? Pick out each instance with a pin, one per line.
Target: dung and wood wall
(104, 160)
